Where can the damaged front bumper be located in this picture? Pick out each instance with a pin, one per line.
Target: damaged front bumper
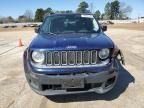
(71, 83)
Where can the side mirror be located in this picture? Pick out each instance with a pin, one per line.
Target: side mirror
(37, 29)
(104, 28)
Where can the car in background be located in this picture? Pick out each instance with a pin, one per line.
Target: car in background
(33, 25)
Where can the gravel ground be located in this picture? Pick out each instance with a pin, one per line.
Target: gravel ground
(129, 90)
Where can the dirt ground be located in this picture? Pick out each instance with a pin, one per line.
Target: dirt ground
(128, 93)
(16, 29)
(130, 26)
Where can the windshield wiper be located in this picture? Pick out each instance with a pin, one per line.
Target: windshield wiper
(67, 32)
(51, 33)
(88, 32)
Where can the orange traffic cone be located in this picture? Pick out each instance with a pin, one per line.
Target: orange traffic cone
(20, 43)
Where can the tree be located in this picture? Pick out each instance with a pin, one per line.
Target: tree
(39, 15)
(48, 11)
(102, 16)
(97, 14)
(1, 20)
(8, 19)
(28, 15)
(69, 11)
(117, 10)
(107, 10)
(66, 11)
(115, 7)
(82, 8)
(124, 11)
(22, 18)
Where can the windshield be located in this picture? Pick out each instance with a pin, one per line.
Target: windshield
(70, 24)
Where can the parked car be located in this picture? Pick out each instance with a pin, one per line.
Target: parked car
(71, 54)
(33, 25)
(5, 26)
(25, 26)
(13, 26)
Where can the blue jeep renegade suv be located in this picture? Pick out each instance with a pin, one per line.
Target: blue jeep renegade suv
(71, 54)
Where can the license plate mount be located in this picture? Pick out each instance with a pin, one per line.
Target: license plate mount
(73, 83)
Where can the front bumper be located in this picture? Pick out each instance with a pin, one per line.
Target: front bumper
(52, 84)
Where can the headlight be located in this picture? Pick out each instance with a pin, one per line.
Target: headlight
(104, 53)
(38, 56)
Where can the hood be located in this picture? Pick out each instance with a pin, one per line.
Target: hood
(71, 41)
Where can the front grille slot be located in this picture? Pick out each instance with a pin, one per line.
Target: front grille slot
(56, 58)
(64, 58)
(49, 58)
(86, 57)
(71, 58)
(93, 57)
(79, 57)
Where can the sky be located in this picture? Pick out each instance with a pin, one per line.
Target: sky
(16, 8)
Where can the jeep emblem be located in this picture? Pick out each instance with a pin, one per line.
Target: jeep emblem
(74, 47)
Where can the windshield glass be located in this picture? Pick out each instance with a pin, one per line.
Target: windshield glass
(70, 24)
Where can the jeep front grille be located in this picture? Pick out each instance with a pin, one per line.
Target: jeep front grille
(71, 58)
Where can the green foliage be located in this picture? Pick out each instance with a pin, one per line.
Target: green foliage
(112, 10)
(67, 11)
(82, 8)
(39, 15)
(107, 10)
(10, 19)
(97, 15)
(125, 10)
(22, 18)
(48, 11)
(102, 16)
(115, 7)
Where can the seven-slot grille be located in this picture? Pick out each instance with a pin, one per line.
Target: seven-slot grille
(71, 58)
